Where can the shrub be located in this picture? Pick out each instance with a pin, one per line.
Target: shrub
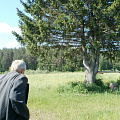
(93, 88)
(73, 84)
(99, 82)
(118, 81)
(80, 88)
(106, 86)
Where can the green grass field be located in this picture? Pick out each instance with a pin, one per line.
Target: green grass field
(46, 103)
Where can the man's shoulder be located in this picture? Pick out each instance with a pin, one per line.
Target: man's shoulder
(16, 74)
(22, 76)
(3, 75)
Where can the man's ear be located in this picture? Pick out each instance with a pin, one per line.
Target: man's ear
(23, 71)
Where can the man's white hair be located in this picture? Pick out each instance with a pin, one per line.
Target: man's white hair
(18, 65)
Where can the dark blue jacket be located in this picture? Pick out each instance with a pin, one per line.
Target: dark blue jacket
(13, 95)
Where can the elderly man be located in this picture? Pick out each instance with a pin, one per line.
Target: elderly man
(14, 92)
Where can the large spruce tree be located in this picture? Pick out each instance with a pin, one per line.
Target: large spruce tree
(87, 27)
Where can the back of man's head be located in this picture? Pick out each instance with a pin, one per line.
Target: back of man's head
(18, 65)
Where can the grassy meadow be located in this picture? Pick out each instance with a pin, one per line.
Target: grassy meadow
(47, 103)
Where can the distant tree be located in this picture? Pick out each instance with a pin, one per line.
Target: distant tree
(19, 53)
(89, 27)
(6, 60)
(9, 55)
(31, 61)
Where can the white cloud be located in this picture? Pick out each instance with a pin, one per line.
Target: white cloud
(12, 44)
(5, 28)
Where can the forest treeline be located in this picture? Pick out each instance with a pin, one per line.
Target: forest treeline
(53, 61)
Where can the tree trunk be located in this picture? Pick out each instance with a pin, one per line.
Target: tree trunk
(89, 77)
(91, 68)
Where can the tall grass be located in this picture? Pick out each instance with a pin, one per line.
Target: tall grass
(46, 103)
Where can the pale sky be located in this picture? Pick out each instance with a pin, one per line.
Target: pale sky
(9, 22)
